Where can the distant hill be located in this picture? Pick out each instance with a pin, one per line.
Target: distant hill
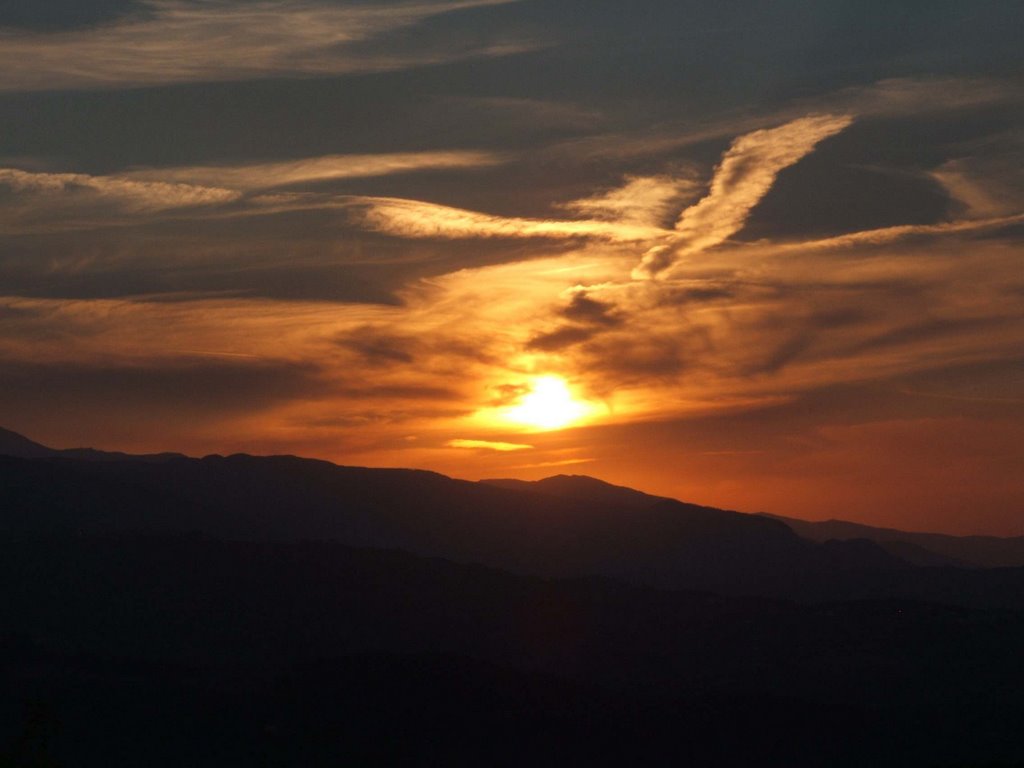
(919, 548)
(13, 444)
(922, 549)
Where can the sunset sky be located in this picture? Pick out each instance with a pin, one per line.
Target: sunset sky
(763, 255)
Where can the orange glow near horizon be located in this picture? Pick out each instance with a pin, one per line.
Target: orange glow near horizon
(548, 405)
(655, 330)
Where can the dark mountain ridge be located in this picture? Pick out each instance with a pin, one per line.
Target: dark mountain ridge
(922, 548)
(285, 498)
(13, 444)
(581, 488)
(916, 548)
(564, 526)
(247, 610)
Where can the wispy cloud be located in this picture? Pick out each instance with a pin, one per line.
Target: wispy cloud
(488, 445)
(132, 194)
(984, 192)
(887, 98)
(50, 202)
(557, 463)
(60, 201)
(642, 200)
(178, 41)
(872, 237)
(254, 176)
(414, 218)
(746, 173)
(635, 211)
(902, 96)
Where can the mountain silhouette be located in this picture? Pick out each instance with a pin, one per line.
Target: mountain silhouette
(13, 444)
(662, 543)
(244, 610)
(919, 548)
(916, 548)
(581, 488)
(560, 527)
(352, 491)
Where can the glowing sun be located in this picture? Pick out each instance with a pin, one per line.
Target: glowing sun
(548, 405)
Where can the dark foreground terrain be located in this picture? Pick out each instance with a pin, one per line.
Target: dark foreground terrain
(242, 611)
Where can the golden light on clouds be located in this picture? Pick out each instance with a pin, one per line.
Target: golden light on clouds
(622, 306)
(488, 445)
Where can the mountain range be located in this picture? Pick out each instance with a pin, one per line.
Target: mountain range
(563, 526)
(248, 610)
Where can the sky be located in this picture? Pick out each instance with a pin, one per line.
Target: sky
(761, 255)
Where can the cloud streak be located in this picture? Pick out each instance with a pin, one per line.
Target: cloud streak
(255, 176)
(634, 212)
(746, 173)
(45, 201)
(413, 218)
(488, 445)
(884, 99)
(134, 195)
(887, 235)
(642, 200)
(176, 41)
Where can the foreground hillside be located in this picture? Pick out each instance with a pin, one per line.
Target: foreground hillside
(234, 653)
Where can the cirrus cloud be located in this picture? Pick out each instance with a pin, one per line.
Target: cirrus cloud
(741, 180)
(251, 176)
(136, 195)
(177, 41)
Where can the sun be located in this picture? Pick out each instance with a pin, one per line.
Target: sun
(548, 405)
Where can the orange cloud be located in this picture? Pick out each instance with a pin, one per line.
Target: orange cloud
(642, 200)
(412, 218)
(488, 445)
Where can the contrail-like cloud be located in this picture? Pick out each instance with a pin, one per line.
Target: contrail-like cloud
(254, 176)
(873, 237)
(413, 218)
(747, 171)
(634, 212)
